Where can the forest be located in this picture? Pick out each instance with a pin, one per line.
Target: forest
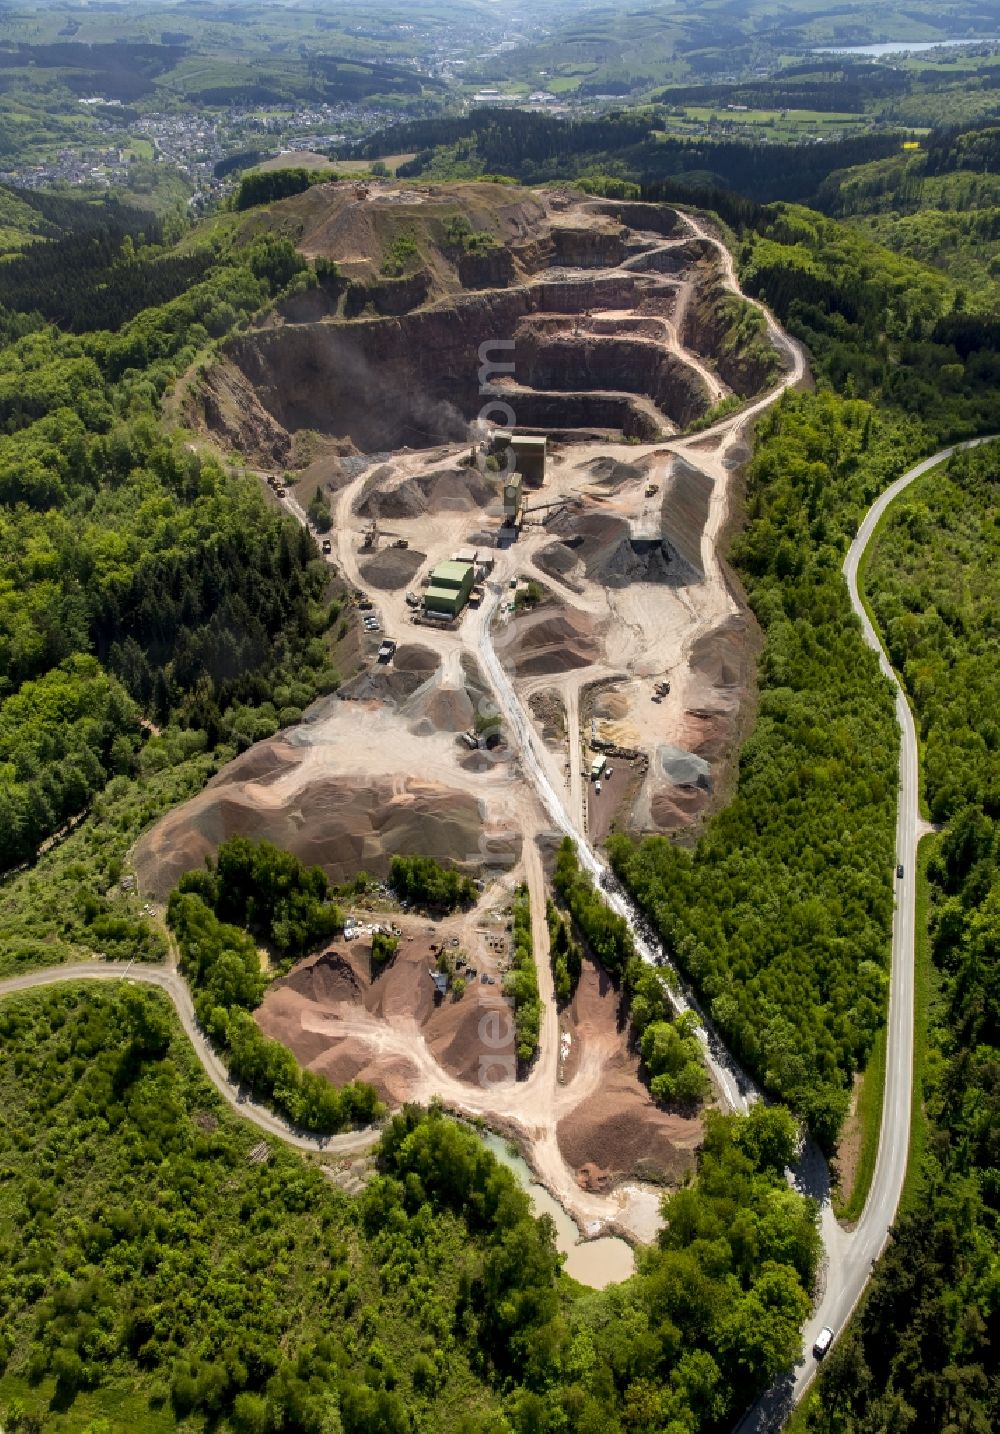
(933, 578)
(932, 584)
(141, 586)
(627, 144)
(433, 1301)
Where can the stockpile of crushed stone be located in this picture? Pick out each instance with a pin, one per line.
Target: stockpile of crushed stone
(441, 709)
(643, 560)
(610, 473)
(683, 768)
(548, 642)
(392, 568)
(686, 499)
(455, 490)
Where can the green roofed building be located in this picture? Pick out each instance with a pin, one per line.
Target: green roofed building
(449, 588)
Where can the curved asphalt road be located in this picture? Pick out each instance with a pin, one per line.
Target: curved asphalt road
(851, 1254)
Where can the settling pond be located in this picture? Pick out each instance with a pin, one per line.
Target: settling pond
(597, 1263)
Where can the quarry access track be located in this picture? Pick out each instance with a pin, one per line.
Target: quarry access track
(736, 1087)
(166, 978)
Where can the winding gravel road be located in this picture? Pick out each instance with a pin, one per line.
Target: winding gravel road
(851, 1254)
(169, 980)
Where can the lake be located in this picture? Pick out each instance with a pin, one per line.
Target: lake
(899, 47)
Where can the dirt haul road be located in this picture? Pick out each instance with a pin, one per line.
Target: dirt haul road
(735, 1085)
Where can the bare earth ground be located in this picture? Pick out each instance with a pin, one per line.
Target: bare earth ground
(623, 540)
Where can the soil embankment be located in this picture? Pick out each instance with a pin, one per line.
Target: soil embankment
(617, 1130)
(386, 1026)
(342, 821)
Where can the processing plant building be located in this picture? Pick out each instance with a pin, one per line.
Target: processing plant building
(448, 590)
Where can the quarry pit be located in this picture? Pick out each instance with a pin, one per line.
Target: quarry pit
(600, 327)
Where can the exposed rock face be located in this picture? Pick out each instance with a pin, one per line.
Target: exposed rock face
(563, 414)
(653, 218)
(425, 367)
(727, 330)
(381, 363)
(686, 497)
(231, 407)
(311, 305)
(631, 365)
(588, 248)
(387, 296)
(487, 269)
(669, 261)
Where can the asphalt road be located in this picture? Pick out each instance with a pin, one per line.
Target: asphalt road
(850, 1255)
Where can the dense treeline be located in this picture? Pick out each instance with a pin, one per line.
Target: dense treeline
(941, 206)
(836, 86)
(153, 1260)
(951, 149)
(565, 954)
(266, 186)
(520, 984)
(118, 542)
(877, 324)
(281, 902)
(157, 1270)
(61, 736)
(932, 581)
(536, 147)
(422, 881)
(607, 935)
(710, 1318)
(91, 281)
(222, 964)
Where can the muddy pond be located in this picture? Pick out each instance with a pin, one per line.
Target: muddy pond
(597, 1263)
